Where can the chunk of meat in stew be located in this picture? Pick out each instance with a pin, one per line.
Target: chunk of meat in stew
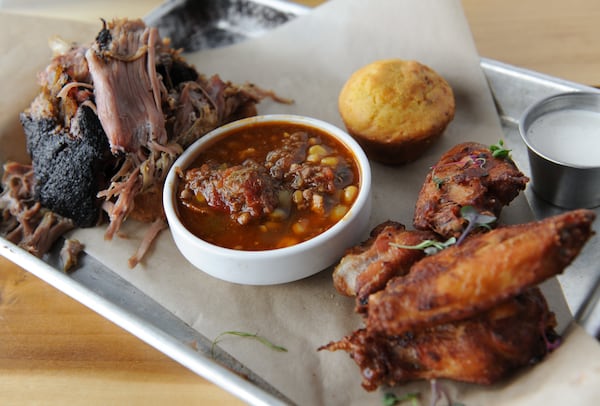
(246, 191)
(293, 151)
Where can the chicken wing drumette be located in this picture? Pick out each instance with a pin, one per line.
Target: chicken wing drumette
(367, 267)
(466, 175)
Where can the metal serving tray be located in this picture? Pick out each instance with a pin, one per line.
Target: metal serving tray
(100, 289)
(514, 89)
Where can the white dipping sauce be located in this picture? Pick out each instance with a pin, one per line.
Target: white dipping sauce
(568, 136)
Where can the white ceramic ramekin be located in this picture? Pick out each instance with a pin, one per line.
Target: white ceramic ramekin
(277, 265)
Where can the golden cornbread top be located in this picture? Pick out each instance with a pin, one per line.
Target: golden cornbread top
(392, 100)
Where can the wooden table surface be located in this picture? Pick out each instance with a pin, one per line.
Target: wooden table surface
(54, 350)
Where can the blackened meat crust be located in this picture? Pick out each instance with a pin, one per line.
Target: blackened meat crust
(69, 171)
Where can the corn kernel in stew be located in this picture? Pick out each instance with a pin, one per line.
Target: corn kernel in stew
(350, 193)
(338, 212)
(301, 227)
(330, 161)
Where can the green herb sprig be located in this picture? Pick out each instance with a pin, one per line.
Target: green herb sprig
(391, 399)
(244, 334)
(499, 151)
(430, 247)
(474, 219)
(438, 181)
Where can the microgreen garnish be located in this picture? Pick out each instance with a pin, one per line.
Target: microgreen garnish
(474, 220)
(480, 161)
(466, 160)
(499, 151)
(438, 181)
(430, 247)
(254, 336)
(391, 399)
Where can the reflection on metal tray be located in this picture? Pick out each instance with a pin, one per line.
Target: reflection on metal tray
(116, 299)
(196, 25)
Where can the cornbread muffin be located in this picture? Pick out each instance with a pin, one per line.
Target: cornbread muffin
(396, 109)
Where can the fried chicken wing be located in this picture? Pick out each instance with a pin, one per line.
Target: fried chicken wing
(366, 268)
(485, 269)
(466, 175)
(483, 349)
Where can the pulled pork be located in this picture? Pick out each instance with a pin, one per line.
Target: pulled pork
(112, 117)
(24, 220)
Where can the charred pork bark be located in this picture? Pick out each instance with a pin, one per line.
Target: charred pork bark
(69, 172)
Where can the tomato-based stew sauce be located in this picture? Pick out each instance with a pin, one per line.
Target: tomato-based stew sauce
(268, 186)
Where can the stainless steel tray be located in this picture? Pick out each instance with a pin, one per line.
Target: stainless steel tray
(100, 289)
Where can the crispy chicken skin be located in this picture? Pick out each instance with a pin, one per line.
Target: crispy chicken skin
(466, 175)
(485, 269)
(482, 349)
(367, 267)
(470, 312)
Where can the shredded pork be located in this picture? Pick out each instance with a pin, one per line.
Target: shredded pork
(147, 103)
(69, 253)
(24, 221)
(128, 96)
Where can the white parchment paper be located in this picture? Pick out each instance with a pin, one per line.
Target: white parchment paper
(308, 60)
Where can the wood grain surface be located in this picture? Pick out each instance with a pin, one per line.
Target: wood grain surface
(54, 350)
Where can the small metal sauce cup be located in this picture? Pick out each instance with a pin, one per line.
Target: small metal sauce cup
(555, 179)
